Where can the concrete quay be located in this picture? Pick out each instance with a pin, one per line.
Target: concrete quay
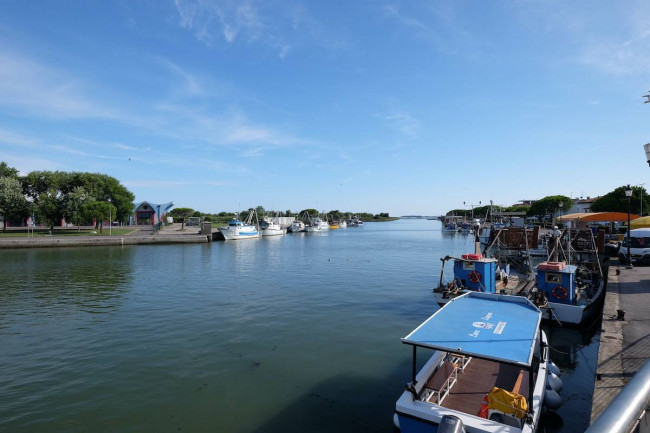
(624, 344)
(168, 235)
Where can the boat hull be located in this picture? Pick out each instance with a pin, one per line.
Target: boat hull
(234, 235)
(274, 232)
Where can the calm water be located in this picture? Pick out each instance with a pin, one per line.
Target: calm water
(286, 334)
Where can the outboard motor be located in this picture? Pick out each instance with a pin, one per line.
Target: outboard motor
(451, 424)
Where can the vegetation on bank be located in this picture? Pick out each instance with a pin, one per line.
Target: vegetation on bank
(614, 201)
(51, 196)
(181, 215)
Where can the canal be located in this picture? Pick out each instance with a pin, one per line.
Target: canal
(292, 333)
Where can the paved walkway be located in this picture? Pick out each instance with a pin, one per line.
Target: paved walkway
(624, 344)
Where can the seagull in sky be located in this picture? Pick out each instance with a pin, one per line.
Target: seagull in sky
(646, 96)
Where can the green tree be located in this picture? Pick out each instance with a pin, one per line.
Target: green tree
(616, 201)
(6, 171)
(12, 200)
(74, 205)
(99, 211)
(46, 189)
(101, 187)
(183, 213)
(261, 212)
(550, 204)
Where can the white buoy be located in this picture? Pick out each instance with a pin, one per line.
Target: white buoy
(396, 420)
(554, 382)
(554, 368)
(552, 399)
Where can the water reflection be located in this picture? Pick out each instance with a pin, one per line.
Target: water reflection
(51, 280)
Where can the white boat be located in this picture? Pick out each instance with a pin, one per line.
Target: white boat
(237, 229)
(273, 229)
(489, 371)
(316, 224)
(343, 224)
(297, 226)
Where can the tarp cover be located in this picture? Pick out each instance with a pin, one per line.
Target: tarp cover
(496, 327)
(643, 222)
(507, 402)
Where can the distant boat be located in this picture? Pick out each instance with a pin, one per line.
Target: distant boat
(297, 226)
(316, 224)
(343, 224)
(237, 229)
(273, 229)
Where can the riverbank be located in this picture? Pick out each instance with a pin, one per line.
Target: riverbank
(171, 234)
(624, 341)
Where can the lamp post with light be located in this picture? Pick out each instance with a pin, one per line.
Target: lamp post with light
(628, 194)
(472, 205)
(110, 219)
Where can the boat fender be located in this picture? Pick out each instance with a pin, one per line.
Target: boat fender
(396, 420)
(554, 368)
(554, 382)
(552, 399)
(474, 276)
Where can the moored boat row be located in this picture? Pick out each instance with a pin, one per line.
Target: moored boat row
(250, 228)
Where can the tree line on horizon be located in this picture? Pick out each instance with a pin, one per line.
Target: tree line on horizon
(181, 214)
(613, 201)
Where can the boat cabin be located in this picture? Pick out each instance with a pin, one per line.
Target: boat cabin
(557, 281)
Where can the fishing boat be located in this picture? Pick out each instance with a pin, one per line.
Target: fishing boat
(489, 370)
(315, 224)
(297, 226)
(449, 227)
(476, 273)
(273, 229)
(572, 291)
(343, 224)
(237, 229)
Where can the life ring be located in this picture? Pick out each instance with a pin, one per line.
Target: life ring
(474, 277)
(559, 292)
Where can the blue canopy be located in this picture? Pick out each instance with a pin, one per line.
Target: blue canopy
(497, 327)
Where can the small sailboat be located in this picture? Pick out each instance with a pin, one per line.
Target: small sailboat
(489, 370)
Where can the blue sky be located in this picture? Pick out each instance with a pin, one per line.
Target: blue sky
(407, 107)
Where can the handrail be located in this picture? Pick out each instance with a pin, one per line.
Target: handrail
(624, 412)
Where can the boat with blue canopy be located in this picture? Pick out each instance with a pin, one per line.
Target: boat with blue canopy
(489, 371)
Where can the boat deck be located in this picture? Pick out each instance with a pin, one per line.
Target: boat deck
(478, 379)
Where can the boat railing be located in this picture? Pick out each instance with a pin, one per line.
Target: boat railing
(628, 412)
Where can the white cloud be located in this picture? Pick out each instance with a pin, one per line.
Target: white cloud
(404, 123)
(621, 58)
(33, 88)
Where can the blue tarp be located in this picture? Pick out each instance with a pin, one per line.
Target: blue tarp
(497, 327)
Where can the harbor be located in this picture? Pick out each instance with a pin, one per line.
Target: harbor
(280, 343)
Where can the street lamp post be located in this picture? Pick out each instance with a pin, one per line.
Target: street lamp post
(110, 218)
(472, 205)
(628, 194)
(159, 225)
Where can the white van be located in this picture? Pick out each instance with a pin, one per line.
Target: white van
(639, 246)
